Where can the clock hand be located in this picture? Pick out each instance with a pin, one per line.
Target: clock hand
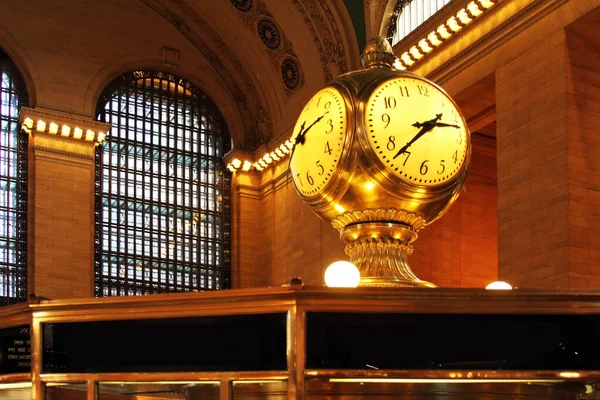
(441, 124)
(302, 134)
(300, 137)
(425, 127)
(296, 140)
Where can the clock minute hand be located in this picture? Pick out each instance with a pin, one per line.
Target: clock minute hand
(425, 127)
(444, 125)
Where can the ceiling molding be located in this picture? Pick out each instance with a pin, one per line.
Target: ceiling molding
(326, 35)
(258, 127)
(279, 50)
(482, 118)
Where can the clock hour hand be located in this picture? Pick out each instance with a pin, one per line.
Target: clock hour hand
(425, 127)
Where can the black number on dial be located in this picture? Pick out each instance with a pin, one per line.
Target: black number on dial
(391, 144)
(329, 126)
(443, 167)
(386, 118)
(390, 102)
(406, 159)
(455, 156)
(327, 148)
(310, 179)
(321, 168)
(424, 168)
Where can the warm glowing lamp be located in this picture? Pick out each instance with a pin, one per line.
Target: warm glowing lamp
(499, 285)
(342, 274)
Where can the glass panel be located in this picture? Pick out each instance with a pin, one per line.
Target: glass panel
(184, 390)
(13, 187)
(409, 15)
(159, 189)
(15, 391)
(262, 389)
(66, 391)
(341, 389)
(186, 345)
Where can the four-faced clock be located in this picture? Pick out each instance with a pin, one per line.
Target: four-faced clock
(318, 141)
(415, 129)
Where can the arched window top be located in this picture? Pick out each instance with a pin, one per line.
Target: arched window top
(162, 192)
(167, 85)
(13, 186)
(408, 15)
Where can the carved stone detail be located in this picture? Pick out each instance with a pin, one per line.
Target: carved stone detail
(326, 35)
(247, 98)
(280, 51)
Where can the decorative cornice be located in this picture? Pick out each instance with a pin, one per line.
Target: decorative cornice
(493, 39)
(44, 149)
(272, 185)
(36, 121)
(424, 40)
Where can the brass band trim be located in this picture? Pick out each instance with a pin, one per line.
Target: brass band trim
(416, 222)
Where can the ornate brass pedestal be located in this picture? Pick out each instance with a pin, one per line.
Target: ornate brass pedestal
(380, 251)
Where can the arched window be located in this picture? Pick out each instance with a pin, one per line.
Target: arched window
(13, 187)
(162, 191)
(409, 14)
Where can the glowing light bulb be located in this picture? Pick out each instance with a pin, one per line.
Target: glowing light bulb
(499, 285)
(342, 274)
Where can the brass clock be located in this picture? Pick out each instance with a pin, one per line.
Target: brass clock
(380, 153)
(416, 131)
(318, 138)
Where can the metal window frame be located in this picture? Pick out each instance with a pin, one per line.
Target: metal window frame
(166, 196)
(17, 269)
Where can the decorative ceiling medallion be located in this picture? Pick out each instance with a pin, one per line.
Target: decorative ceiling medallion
(290, 73)
(242, 5)
(269, 34)
(280, 54)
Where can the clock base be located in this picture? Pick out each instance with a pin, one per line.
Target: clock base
(380, 251)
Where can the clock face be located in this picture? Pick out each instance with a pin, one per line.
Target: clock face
(318, 140)
(416, 131)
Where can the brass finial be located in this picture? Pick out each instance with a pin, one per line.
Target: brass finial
(377, 53)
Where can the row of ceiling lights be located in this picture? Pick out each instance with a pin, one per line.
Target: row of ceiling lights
(435, 38)
(66, 131)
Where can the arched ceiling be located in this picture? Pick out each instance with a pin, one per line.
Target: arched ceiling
(270, 54)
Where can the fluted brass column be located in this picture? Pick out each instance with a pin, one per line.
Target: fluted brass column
(380, 251)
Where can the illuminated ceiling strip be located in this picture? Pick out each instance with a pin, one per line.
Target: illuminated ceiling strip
(268, 159)
(67, 131)
(455, 23)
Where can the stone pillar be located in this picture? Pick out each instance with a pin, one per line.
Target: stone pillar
(61, 202)
(548, 113)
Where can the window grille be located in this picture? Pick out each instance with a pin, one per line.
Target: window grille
(13, 187)
(162, 190)
(408, 15)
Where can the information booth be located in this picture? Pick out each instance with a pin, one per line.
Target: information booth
(305, 343)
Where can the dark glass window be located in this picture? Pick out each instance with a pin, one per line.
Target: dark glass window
(162, 190)
(13, 187)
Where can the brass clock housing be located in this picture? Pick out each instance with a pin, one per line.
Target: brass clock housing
(379, 196)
